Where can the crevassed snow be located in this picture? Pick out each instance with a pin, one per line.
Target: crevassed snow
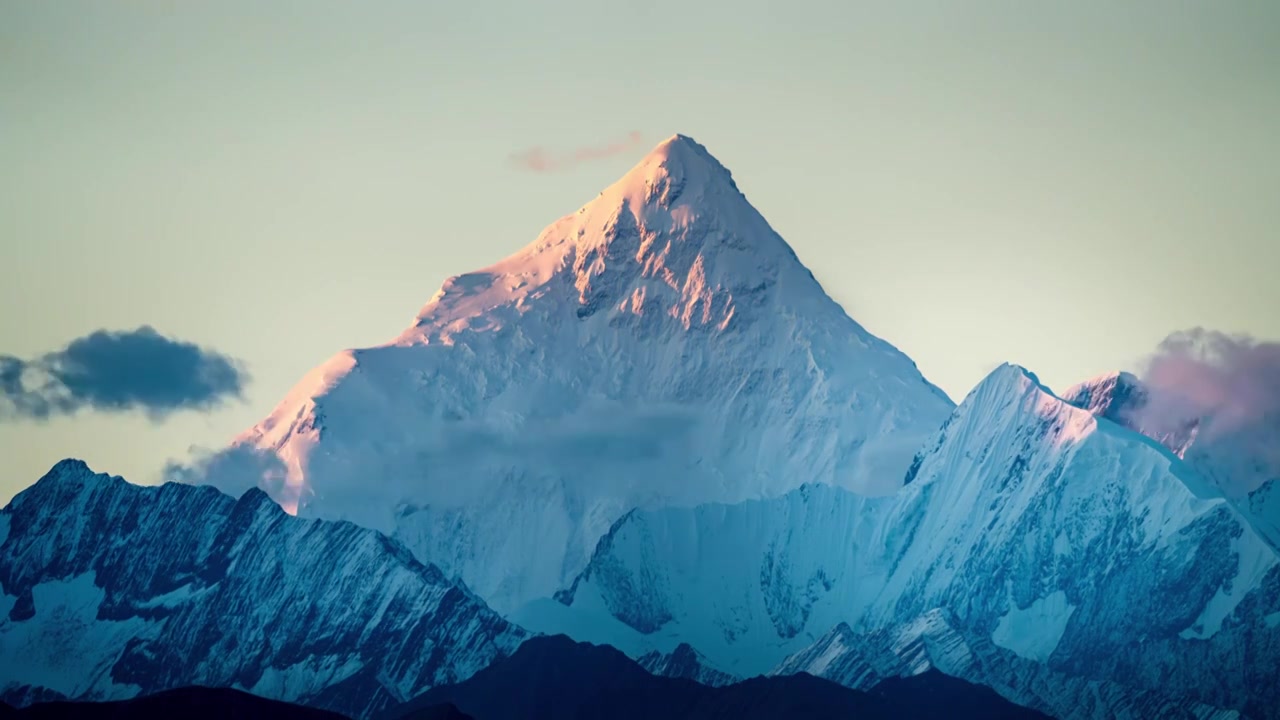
(1033, 632)
(660, 346)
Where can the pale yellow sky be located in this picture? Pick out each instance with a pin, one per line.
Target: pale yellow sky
(1058, 185)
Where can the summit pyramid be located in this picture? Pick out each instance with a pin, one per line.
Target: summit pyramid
(659, 345)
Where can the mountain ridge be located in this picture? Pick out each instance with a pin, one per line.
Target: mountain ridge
(555, 677)
(111, 590)
(1060, 538)
(195, 703)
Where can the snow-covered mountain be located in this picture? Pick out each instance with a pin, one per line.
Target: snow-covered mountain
(1229, 461)
(111, 590)
(660, 346)
(1061, 539)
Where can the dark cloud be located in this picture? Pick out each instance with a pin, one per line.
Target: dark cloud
(117, 371)
(538, 159)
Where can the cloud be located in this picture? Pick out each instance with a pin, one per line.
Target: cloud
(119, 371)
(540, 160)
(597, 433)
(462, 462)
(232, 470)
(1230, 386)
(1232, 379)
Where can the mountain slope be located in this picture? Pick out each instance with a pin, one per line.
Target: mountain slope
(932, 642)
(1236, 458)
(111, 590)
(662, 345)
(554, 677)
(1065, 540)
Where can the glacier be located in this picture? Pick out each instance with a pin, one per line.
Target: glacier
(662, 345)
(1053, 538)
(112, 590)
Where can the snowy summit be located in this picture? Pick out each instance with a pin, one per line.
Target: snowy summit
(662, 344)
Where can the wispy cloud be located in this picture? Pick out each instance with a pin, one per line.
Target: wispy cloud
(232, 470)
(582, 447)
(540, 160)
(118, 371)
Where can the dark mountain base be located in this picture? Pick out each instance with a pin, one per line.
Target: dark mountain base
(555, 677)
(191, 703)
(932, 694)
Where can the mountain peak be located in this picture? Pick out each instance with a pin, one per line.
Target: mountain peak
(661, 343)
(679, 171)
(1010, 376)
(66, 476)
(1011, 392)
(679, 160)
(679, 139)
(1111, 395)
(681, 149)
(672, 238)
(69, 467)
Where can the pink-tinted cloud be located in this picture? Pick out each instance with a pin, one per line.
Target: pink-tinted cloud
(1230, 385)
(539, 159)
(1233, 379)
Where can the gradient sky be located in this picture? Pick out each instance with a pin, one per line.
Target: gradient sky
(1058, 185)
